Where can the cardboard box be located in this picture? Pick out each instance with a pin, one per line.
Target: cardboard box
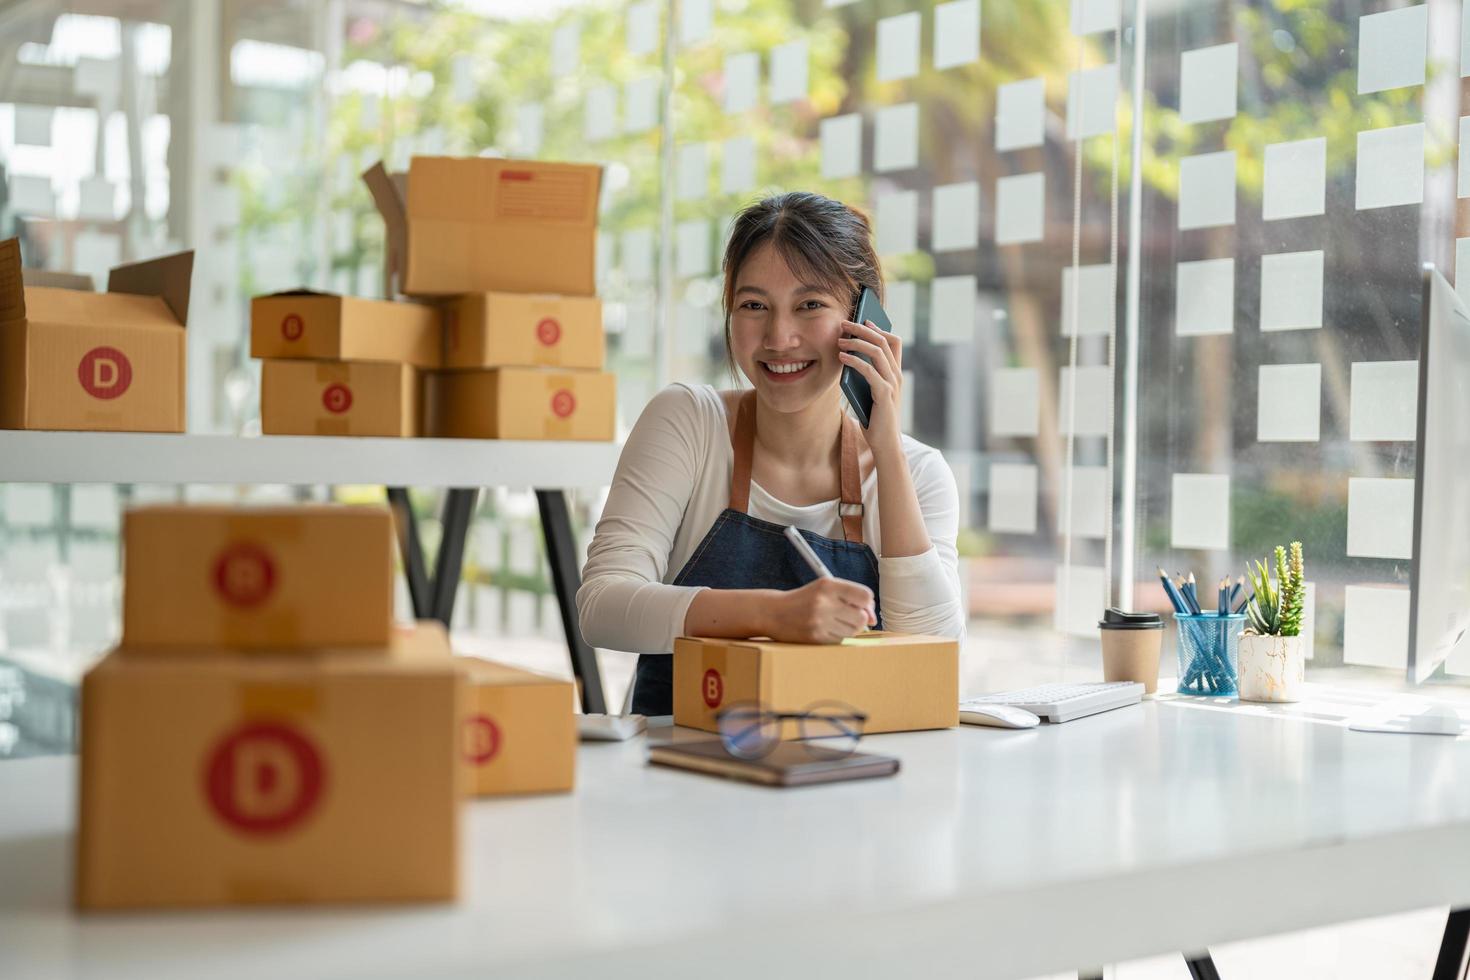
(324, 327)
(519, 734)
(903, 683)
(340, 398)
(515, 330)
(521, 403)
(478, 225)
(258, 577)
(78, 360)
(330, 776)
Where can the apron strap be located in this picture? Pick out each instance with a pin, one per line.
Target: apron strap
(849, 508)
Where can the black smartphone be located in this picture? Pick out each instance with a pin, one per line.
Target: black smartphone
(854, 385)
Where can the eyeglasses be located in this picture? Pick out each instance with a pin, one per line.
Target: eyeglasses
(750, 730)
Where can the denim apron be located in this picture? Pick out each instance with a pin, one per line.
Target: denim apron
(744, 552)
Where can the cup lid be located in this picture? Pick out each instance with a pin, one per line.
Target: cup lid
(1117, 619)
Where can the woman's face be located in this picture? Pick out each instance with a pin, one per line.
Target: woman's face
(783, 332)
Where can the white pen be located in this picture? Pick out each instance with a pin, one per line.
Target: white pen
(808, 555)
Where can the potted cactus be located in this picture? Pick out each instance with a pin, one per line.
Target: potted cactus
(1272, 652)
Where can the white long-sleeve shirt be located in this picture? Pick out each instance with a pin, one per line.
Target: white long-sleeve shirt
(673, 481)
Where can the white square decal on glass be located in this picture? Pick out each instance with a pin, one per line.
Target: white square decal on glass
(1092, 102)
(952, 307)
(692, 171)
(1079, 597)
(842, 140)
(1015, 402)
(1020, 114)
(33, 125)
(530, 124)
(1091, 16)
(1375, 626)
(956, 216)
(897, 218)
(696, 20)
(1291, 291)
(1289, 403)
(1200, 514)
(1295, 179)
(1089, 510)
(692, 252)
(637, 254)
(1380, 517)
(1094, 285)
(1204, 298)
(1384, 401)
(789, 72)
(1020, 203)
(737, 165)
(640, 109)
(898, 47)
(1463, 183)
(1207, 190)
(1390, 166)
(600, 120)
(97, 199)
(742, 76)
(1462, 266)
(566, 43)
(1207, 83)
(898, 302)
(896, 137)
(1094, 395)
(642, 27)
(1392, 49)
(956, 33)
(1013, 498)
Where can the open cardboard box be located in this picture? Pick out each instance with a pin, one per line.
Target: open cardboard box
(72, 359)
(477, 224)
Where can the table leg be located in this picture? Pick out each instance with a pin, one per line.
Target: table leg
(434, 598)
(561, 554)
(1201, 966)
(1452, 963)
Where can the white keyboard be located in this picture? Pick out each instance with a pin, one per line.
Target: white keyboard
(1063, 702)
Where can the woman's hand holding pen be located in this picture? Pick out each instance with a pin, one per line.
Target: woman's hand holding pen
(826, 610)
(884, 377)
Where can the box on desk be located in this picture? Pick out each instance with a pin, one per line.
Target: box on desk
(226, 778)
(72, 359)
(486, 330)
(340, 398)
(326, 327)
(519, 734)
(477, 224)
(902, 683)
(259, 577)
(521, 403)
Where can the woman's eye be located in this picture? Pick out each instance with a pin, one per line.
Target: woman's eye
(813, 304)
(751, 304)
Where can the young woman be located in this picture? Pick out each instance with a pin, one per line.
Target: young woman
(691, 540)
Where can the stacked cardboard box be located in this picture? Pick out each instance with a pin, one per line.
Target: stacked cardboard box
(508, 246)
(264, 733)
(74, 359)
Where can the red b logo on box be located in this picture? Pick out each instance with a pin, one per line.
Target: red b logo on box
(244, 575)
(563, 403)
(548, 331)
(714, 688)
(479, 739)
(105, 372)
(291, 327)
(337, 398)
(264, 778)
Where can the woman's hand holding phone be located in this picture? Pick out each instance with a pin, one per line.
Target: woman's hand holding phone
(884, 376)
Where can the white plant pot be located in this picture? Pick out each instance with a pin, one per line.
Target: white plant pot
(1271, 668)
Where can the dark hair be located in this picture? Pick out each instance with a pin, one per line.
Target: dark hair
(824, 243)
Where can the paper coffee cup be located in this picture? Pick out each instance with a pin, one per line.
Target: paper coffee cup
(1131, 643)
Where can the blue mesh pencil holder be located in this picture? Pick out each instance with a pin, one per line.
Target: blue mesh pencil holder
(1207, 653)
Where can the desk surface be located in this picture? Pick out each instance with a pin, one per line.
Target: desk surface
(1172, 825)
(136, 457)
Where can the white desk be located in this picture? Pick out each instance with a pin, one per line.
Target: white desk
(992, 854)
(135, 457)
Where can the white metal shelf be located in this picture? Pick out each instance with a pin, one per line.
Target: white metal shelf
(136, 457)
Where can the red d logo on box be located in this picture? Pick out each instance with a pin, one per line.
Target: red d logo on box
(548, 331)
(480, 739)
(244, 574)
(563, 403)
(264, 778)
(337, 398)
(105, 372)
